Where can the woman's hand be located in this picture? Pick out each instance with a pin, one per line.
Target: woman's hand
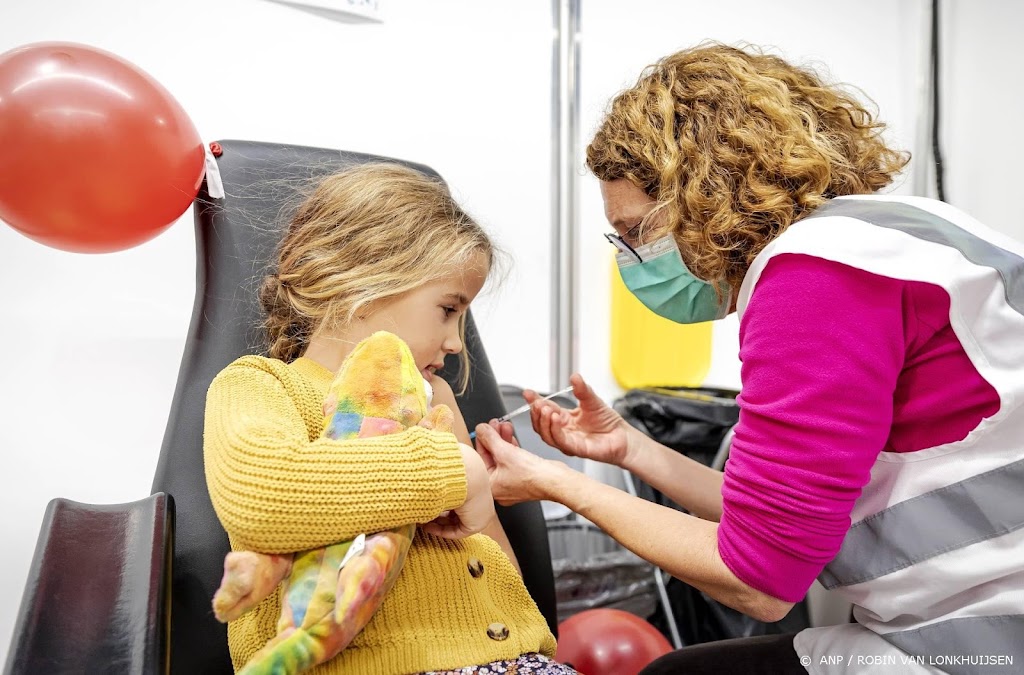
(516, 475)
(592, 430)
(477, 512)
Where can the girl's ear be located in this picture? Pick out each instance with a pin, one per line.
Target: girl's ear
(368, 309)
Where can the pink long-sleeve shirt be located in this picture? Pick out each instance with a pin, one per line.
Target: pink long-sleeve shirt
(838, 365)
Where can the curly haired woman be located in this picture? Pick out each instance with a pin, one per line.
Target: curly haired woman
(879, 441)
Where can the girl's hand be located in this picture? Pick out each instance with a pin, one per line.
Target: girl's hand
(592, 430)
(476, 512)
(516, 475)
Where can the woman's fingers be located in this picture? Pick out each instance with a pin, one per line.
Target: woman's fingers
(580, 388)
(514, 468)
(545, 425)
(549, 421)
(535, 408)
(486, 455)
(507, 433)
(536, 412)
(495, 445)
(583, 392)
(552, 422)
(489, 440)
(558, 434)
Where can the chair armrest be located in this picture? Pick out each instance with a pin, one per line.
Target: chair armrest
(97, 599)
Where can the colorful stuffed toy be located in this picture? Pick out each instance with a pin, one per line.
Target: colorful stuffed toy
(331, 593)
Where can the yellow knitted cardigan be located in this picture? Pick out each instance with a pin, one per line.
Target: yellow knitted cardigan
(277, 486)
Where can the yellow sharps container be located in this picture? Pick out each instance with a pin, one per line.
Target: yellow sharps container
(651, 351)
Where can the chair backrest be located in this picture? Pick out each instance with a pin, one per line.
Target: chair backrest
(235, 239)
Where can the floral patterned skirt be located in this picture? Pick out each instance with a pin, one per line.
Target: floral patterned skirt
(527, 664)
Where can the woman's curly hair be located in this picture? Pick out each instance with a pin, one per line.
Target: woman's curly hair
(734, 146)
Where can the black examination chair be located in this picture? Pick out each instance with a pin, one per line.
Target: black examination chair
(127, 588)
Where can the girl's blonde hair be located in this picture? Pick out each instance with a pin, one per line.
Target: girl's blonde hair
(365, 235)
(734, 146)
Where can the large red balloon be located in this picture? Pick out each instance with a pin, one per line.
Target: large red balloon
(609, 642)
(95, 155)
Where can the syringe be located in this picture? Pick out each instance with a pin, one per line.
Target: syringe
(523, 408)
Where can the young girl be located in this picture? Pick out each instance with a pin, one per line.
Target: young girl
(377, 247)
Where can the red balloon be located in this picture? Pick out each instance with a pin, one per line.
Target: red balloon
(95, 155)
(609, 642)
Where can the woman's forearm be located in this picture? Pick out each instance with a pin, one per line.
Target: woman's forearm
(692, 485)
(684, 546)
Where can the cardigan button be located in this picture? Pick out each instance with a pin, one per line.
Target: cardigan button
(475, 567)
(497, 632)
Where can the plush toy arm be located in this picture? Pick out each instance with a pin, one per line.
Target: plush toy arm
(440, 418)
(248, 578)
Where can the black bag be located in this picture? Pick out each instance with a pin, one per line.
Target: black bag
(695, 422)
(690, 421)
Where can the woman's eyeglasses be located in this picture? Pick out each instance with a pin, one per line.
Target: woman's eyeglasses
(621, 242)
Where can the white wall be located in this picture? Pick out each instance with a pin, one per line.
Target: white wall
(982, 106)
(93, 342)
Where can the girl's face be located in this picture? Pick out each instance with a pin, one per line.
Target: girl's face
(427, 318)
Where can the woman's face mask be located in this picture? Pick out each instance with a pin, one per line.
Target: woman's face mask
(655, 272)
(661, 281)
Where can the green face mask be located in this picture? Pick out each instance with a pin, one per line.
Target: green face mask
(661, 281)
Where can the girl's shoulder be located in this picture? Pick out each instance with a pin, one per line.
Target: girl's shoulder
(256, 362)
(251, 363)
(260, 381)
(251, 370)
